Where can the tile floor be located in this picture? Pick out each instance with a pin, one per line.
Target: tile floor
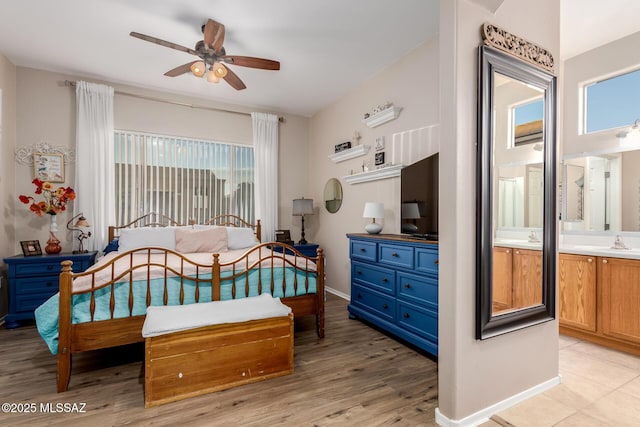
(600, 387)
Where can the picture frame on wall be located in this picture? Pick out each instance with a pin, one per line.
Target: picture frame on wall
(31, 247)
(48, 167)
(379, 158)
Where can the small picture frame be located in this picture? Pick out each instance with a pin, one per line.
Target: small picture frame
(284, 236)
(31, 247)
(342, 146)
(379, 158)
(380, 143)
(48, 167)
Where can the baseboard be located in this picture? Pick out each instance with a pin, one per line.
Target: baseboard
(483, 415)
(337, 293)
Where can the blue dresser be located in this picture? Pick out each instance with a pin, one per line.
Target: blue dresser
(33, 279)
(394, 285)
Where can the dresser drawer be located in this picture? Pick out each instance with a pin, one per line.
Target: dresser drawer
(395, 255)
(40, 284)
(381, 305)
(418, 320)
(363, 250)
(378, 278)
(427, 261)
(418, 289)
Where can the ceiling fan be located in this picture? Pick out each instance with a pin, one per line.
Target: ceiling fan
(213, 57)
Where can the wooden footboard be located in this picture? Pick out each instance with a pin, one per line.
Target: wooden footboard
(115, 331)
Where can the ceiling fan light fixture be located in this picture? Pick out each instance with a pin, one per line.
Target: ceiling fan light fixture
(220, 70)
(198, 68)
(212, 77)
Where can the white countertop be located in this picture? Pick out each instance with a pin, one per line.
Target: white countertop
(578, 249)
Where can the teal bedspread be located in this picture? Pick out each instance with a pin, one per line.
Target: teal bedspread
(47, 314)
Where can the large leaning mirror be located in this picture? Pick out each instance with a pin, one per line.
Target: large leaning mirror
(516, 228)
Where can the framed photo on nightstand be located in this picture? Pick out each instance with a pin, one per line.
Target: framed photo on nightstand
(31, 247)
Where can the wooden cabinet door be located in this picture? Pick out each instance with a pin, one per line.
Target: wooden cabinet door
(502, 289)
(620, 281)
(527, 278)
(577, 291)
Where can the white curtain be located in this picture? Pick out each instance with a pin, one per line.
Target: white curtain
(94, 160)
(265, 146)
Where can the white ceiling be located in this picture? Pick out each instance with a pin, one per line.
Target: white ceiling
(326, 48)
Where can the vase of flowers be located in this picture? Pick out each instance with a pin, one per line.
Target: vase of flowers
(54, 201)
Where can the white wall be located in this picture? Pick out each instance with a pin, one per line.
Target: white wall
(46, 112)
(474, 375)
(7, 145)
(410, 83)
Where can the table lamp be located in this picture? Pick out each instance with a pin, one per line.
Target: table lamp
(373, 210)
(302, 207)
(80, 226)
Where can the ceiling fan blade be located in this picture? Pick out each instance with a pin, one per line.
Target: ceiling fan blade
(185, 68)
(162, 42)
(249, 61)
(214, 35)
(234, 80)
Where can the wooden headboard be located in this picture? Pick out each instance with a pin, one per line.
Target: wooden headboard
(152, 219)
(230, 220)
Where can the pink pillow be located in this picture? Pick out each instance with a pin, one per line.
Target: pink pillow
(189, 240)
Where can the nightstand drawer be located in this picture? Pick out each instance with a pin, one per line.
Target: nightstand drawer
(419, 290)
(380, 304)
(363, 250)
(28, 303)
(395, 255)
(378, 278)
(38, 268)
(43, 284)
(418, 320)
(427, 260)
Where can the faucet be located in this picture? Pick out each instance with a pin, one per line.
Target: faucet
(618, 243)
(533, 238)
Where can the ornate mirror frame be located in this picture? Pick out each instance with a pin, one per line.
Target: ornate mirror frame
(488, 323)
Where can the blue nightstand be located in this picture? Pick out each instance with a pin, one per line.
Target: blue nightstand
(34, 279)
(309, 249)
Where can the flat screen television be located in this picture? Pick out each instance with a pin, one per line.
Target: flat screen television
(419, 199)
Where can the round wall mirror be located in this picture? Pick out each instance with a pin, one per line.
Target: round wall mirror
(332, 195)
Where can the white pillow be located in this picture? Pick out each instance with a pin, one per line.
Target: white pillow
(240, 237)
(143, 237)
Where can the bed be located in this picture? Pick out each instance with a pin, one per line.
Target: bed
(105, 306)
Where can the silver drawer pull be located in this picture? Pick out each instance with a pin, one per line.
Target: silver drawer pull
(49, 283)
(363, 250)
(359, 295)
(395, 255)
(385, 280)
(358, 272)
(49, 267)
(436, 262)
(385, 306)
(406, 315)
(407, 286)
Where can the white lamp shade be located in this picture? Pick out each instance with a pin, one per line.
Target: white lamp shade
(302, 207)
(410, 211)
(373, 210)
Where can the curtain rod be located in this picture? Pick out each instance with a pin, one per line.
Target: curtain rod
(167, 101)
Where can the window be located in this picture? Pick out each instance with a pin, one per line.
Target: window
(528, 122)
(181, 178)
(612, 103)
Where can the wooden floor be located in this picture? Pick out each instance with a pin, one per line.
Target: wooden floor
(355, 376)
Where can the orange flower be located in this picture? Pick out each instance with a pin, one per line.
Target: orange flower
(55, 199)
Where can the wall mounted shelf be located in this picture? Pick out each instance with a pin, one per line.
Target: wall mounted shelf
(382, 173)
(382, 117)
(357, 151)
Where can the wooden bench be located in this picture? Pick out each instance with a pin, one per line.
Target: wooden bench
(197, 361)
